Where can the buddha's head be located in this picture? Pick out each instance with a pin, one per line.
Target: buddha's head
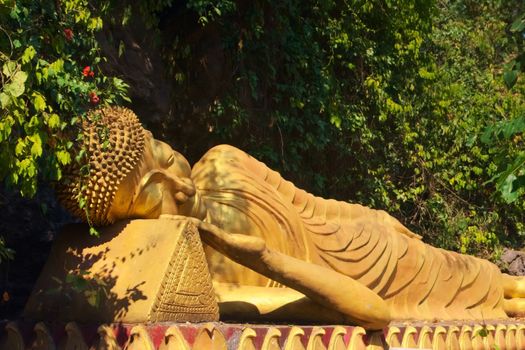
(126, 173)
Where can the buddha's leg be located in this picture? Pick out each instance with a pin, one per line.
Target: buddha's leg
(324, 286)
(514, 306)
(513, 286)
(238, 302)
(514, 290)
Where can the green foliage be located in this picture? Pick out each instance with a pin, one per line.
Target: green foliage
(80, 282)
(312, 80)
(50, 75)
(505, 134)
(413, 106)
(467, 93)
(5, 252)
(351, 102)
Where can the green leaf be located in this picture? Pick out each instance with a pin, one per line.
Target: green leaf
(70, 278)
(336, 121)
(95, 23)
(80, 156)
(121, 48)
(77, 282)
(13, 177)
(5, 100)
(82, 203)
(63, 157)
(9, 68)
(93, 231)
(506, 189)
(517, 26)
(20, 146)
(513, 127)
(509, 184)
(55, 67)
(483, 332)
(53, 121)
(16, 87)
(28, 54)
(510, 77)
(27, 167)
(39, 102)
(92, 297)
(126, 15)
(6, 127)
(34, 122)
(36, 148)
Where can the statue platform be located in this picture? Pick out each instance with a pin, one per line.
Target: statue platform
(130, 290)
(223, 336)
(137, 271)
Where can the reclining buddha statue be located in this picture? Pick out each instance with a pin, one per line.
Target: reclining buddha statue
(274, 251)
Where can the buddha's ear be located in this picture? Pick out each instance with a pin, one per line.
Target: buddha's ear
(146, 202)
(153, 176)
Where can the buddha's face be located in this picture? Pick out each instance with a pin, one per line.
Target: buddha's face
(159, 184)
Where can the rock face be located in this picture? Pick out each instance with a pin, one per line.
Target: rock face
(134, 57)
(169, 96)
(513, 262)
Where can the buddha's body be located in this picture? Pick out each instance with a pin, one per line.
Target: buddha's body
(370, 246)
(335, 262)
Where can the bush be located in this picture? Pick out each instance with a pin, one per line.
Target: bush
(50, 78)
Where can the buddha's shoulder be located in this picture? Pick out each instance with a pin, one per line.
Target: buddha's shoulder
(226, 154)
(224, 150)
(225, 159)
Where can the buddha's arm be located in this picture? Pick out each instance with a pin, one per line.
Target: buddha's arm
(271, 304)
(324, 286)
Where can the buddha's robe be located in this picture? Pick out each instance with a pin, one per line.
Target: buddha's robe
(242, 195)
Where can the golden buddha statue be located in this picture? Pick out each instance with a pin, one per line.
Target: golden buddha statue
(276, 252)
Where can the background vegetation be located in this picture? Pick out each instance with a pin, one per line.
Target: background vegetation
(412, 106)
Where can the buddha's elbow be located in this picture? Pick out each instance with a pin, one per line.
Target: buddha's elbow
(375, 317)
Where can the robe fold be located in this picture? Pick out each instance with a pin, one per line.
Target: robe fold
(242, 195)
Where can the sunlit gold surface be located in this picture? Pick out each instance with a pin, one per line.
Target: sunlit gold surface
(345, 263)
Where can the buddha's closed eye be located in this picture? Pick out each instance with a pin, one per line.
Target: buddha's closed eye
(169, 161)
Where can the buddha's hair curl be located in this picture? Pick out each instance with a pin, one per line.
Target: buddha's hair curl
(113, 140)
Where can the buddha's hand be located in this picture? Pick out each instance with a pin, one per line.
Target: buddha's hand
(326, 287)
(238, 247)
(183, 188)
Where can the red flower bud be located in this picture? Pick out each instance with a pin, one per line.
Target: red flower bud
(93, 98)
(91, 74)
(86, 71)
(68, 33)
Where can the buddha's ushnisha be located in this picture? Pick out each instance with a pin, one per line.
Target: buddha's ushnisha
(277, 252)
(113, 142)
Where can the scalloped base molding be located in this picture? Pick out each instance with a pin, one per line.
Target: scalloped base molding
(222, 336)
